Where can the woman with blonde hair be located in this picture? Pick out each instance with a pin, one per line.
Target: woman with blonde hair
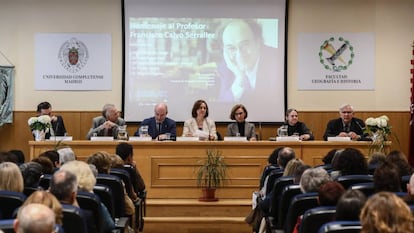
(49, 200)
(11, 178)
(385, 212)
(291, 167)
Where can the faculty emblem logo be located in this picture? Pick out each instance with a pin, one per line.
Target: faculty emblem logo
(73, 55)
(336, 55)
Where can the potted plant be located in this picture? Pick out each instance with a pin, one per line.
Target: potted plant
(211, 174)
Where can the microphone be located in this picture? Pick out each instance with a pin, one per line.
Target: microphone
(359, 125)
(260, 130)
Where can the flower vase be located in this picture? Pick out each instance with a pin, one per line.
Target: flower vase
(378, 143)
(39, 135)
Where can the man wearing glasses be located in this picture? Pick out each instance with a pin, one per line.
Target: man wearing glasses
(345, 126)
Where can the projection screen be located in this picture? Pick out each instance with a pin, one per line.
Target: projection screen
(222, 51)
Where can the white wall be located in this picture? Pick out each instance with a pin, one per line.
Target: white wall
(390, 21)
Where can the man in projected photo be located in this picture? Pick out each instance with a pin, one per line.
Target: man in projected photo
(247, 66)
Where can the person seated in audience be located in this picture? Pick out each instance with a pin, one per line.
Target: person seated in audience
(31, 172)
(346, 126)
(241, 127)
(374, 160)
(349, 161)
(118, 163)
(398, 158)
(312, 179)
(296, 127)
(126, 152)
(292, 166)
(53, 155)
(11, 178)
(160, 124)
(272, 165)
(49, 200)
(200, 125)
(285, 155)
(299, 172)
(102, 162)
(6, 156)
(58, 126)
(387, 178)
(107, 124)
(34, 218)
(385, 212)
(47, 165)
(86, 182)
(19, 155)
(327, 159)
(349, 205)
(409, 198)
(65, 155)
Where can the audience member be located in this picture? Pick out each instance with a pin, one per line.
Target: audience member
(64, 186)
(159, 125)
(49, 200)
(346, 125)
(329, 193)
(285, 155)
(387, 178)
(350, 161)
(126, 152)
(65, 155)
(385, 212)
(19, 155)
(349, 205)
(47, 165)
(31, 172)
(58, 127)
(11, 178)
(8, 157)
(241, 127)
(35, 218)
(296, 127)
(374, 160)
(292, 166)
(299, 172)
(86, 182)
(272, 165)
(117, 163)
(409, 198)
(400, 160)
(200, 125)
(327, 159)
(107, 124)
(312, 179)
(53, 155)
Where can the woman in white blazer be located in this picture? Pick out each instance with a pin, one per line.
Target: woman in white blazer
(200, 125)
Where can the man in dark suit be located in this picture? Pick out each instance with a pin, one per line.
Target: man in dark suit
(249, 67)
(107, 124)
(58, 127)
(160, 125)
(346, 125)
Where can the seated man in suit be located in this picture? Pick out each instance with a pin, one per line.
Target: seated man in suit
(160, 124)
(58, 127)
(346, 125)
(107, 124)
(126, 152)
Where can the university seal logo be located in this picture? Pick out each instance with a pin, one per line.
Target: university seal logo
(73, 55)
(336, 55)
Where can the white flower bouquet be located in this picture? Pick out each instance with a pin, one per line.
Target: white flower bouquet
(41, 123)
(379, 130)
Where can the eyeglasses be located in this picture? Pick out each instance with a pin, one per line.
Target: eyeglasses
(347, 112)
(238, 113)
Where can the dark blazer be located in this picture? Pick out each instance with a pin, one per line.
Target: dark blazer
(58, 128)
(249, 130)
(167, 126)
(334, 127)
(299, 128)
(101, 131)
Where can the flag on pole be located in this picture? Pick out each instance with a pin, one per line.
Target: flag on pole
(6, 94)
(411, 144)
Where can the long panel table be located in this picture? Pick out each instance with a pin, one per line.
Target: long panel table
(168, 168)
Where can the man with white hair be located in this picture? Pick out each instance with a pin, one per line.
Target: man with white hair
(36, 218)
(65, 155)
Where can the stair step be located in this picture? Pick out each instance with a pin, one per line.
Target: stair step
(194, 220)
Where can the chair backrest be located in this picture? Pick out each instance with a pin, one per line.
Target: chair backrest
(29, 190)
(73, 219)
(91, 202)
(286, 197)
(314, 218)
(6, 225)
(133, 175)
(266, 172)
(9, 202)
(404, 181)
(277, 190)
(367, 188)
(124, 175)
(348, 180)
(117, 188)
(105, 194)
(45, 181)
(299, 204)
(341, 227)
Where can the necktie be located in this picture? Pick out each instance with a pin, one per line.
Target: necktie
(159, 128)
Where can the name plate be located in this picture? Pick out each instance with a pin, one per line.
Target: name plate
(140, 139)
(235, 139)
(339, 139)
(288, 139)
(187, 139)
(102, 138)
(60, 138)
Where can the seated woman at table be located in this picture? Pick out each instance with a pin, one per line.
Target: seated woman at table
(296, 127)
(200, 125)
(241, 127)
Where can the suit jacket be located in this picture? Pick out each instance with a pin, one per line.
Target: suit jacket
(336, 126)
(249, 130)
(299, 128)
(167, 126)
(58, 128)
(100, 130)
(191, 127)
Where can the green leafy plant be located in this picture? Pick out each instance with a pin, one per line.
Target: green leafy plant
(212, 171)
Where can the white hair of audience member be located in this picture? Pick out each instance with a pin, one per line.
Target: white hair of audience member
(65, 155)
(312, 179)
(35, 218)
(94, 170)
